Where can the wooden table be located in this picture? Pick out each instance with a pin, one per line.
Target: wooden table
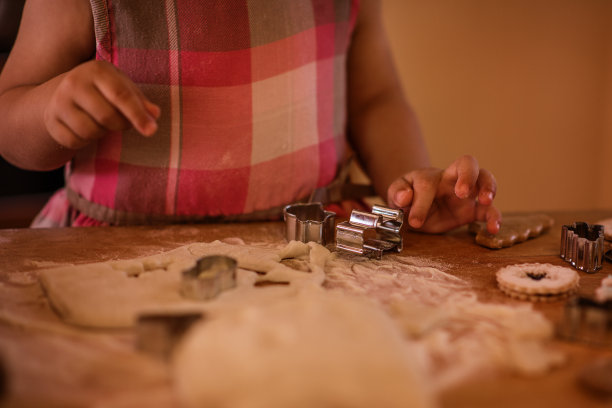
(48, 363)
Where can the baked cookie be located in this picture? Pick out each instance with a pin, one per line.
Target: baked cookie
(514, 229)
(537, 298)
(537, 282)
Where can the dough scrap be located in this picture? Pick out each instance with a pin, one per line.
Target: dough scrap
(463, 337)
(514, 229)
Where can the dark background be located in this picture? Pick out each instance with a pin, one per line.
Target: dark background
(22, 193)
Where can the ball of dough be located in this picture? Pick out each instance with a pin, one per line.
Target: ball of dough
(317, 349)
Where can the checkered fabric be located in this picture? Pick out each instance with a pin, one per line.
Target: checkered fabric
(253, 99)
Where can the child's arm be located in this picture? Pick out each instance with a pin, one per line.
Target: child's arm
(385, 133)
(53, 98)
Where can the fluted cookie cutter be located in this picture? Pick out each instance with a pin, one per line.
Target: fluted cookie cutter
(582, 245)
(158, 333)
(208, 277)
(371, 234)
(309, 222)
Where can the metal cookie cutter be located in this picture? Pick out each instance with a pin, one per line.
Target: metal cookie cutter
(158, 333)
(371, 234)
(208, 277)
(582, 245)
(309, 222)
(587, 320)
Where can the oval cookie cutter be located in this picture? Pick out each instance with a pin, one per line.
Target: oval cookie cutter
(209, 276)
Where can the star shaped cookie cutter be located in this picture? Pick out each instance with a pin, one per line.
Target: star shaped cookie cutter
(209, 276)
(371, 234)
(582, 245)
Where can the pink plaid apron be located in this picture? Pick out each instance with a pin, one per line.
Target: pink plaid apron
(253, 111)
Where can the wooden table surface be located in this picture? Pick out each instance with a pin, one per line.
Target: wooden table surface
(48, 363)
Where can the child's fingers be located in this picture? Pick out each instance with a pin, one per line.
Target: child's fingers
(463, 174)
(152, 108)
(424, 186)
(487, 187)
(82, 125)
(466, 174)
(63, 135)
(399, 193)
(493, 219)
(491, 215)
(105, 114)
(127, 99)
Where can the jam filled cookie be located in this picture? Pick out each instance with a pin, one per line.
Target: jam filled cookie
(537, 282)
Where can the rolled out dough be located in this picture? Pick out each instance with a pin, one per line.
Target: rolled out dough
(339, 331)
(112, 294)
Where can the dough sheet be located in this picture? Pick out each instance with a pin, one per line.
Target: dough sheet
(306, 327)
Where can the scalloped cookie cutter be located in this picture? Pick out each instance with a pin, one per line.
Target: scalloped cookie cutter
(582, 245)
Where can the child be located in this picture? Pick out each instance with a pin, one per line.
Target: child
(204, 110)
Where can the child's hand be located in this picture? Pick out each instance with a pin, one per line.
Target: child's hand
(93, 99)
(439, 200)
